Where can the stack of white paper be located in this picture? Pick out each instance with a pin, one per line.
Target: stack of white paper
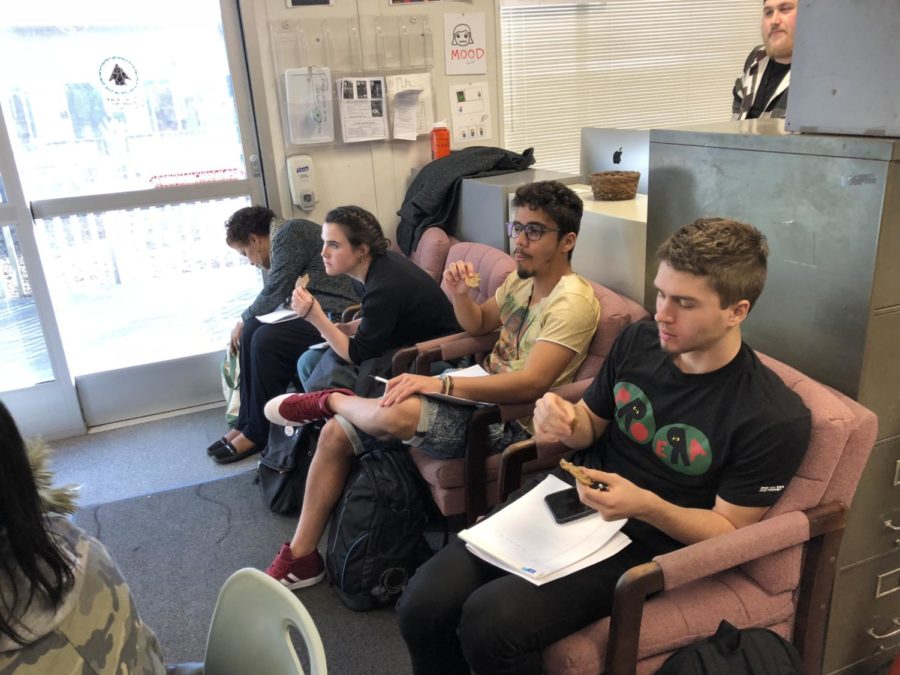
(524, 539)
(279, 315)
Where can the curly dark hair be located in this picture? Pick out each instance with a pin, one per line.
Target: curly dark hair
(27, 550)
(731, 253)
(360, 227)
(556, 200)
(246, 221)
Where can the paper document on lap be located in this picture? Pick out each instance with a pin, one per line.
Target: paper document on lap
(527, 541)
(284, 313)
(279, 315)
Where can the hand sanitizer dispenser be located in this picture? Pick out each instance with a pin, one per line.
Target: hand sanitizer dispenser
(302, 181)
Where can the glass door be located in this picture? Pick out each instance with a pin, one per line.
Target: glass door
(133, 135)
(34, 381)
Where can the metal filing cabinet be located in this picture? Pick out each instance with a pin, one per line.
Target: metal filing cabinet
(830, 207)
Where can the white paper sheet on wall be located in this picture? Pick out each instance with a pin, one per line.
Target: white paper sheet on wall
(363, 114)
(424, 102)
(404, 117)
(470, 112)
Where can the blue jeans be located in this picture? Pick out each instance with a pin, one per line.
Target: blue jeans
(307, 363)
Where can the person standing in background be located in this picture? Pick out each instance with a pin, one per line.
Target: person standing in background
(762, 89)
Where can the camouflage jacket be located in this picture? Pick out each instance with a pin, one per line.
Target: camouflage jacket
(746, 86)
(96, 630)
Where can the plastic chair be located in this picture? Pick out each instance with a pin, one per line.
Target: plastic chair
(249, 631)
(470, 485)
(777, 573)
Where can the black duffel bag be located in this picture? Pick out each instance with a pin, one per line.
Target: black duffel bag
(283, 466)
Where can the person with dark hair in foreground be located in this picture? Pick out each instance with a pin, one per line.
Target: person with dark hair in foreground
(287, 251)
(547, 316)
(64, 607)
(691, 435)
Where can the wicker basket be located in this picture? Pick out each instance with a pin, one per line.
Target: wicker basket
(615, 185)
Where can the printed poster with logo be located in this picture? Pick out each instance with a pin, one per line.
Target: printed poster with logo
(465, 44)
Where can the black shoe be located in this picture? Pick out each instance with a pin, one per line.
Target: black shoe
(215, 446)
(228, 454)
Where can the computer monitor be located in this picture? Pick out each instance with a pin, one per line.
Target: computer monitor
(615, 150)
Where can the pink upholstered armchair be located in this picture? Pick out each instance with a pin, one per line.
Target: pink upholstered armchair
(469, 485)
(493, 265)
(777, 573)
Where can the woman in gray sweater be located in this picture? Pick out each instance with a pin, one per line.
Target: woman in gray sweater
(286, 250)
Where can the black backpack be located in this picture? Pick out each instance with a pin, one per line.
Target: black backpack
(751, 651)
(376, 539)
(283, 466)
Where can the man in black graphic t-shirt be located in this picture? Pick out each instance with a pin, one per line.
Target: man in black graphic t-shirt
(693, 436)
(762, 88)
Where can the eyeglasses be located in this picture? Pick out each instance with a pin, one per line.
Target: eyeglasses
(533, 231)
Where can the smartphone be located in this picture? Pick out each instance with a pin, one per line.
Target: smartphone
(566, 507)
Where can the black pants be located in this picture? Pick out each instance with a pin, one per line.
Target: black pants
(460, 612)
(269, 354)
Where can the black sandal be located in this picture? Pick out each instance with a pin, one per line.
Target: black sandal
(228, 453)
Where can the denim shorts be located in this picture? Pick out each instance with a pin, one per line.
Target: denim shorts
(441, 432)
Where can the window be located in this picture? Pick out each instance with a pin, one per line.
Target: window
(633, 64)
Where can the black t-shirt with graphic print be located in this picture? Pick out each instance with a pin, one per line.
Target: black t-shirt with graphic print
(737, 432)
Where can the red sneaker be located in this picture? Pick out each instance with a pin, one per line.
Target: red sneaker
(292, 409)
(300, 573)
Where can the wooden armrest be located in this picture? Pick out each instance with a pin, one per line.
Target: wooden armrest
(475, 476)
(514, 458)
(451, 347)
(349, 312)
(511, 461)
(425, 345)
(471, 344)
(822, 526)
(403, 359)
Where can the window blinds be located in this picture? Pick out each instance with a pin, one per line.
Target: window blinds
(634, 64)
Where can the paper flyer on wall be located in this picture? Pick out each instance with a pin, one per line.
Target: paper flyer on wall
(363, 114)
(406, 91)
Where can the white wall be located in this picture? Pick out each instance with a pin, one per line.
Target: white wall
(375, 174)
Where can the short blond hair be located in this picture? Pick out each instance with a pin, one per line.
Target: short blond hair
(731, 254)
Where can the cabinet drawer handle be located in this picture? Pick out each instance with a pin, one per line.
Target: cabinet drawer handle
(889, 524)
(875, 635)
